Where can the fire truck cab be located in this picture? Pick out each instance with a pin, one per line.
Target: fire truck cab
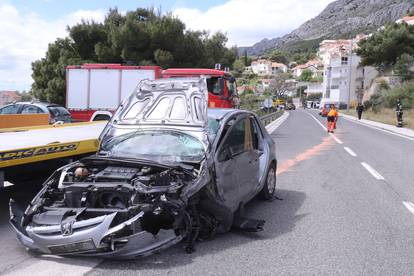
(222, 89)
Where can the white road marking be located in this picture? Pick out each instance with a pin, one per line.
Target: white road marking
(409, 205)
(317, 121)
(380, 129)
(372, 171)
(336, 139)
(54, 265)
(8, 184)
(277, 123)
(351, 152)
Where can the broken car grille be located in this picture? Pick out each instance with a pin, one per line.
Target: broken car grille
(82, 246)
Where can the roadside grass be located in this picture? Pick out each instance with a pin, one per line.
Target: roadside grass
(386, 116)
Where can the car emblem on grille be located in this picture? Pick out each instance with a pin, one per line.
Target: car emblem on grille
(66, 228)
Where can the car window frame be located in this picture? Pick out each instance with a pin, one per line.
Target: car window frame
(9, 105)
(223, 138)
(31, 105)
(255, 125)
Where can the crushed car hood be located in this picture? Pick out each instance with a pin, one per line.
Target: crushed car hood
(175, 102)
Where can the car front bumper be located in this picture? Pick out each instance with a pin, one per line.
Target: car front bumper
(87, 238)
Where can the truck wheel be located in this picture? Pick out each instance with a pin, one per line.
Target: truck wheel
(101, 118)
(270, 184)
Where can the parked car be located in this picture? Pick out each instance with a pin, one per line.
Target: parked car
(167, 170)
(56, 112)
(290, 106)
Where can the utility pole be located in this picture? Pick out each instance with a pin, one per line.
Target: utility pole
(350, 75)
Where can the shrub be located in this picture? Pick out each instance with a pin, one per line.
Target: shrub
(376, 100)
(383, 84)
(367, 104)
(403, 65)
(404, 92)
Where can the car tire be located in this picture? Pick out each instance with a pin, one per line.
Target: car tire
(270, 183)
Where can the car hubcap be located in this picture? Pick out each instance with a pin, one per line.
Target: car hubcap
(271, 180)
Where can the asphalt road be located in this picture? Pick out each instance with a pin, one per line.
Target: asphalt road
(345, 209)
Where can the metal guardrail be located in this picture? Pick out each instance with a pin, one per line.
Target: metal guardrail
(268, 118)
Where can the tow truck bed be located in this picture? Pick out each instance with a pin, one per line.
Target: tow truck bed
(25, 146)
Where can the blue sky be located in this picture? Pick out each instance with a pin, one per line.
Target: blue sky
(52, 9)
(27, 27)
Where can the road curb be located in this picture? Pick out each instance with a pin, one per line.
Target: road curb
(381, 126)
(277, 123)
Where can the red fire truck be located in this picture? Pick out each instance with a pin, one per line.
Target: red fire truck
(221, 85)
(94, 91)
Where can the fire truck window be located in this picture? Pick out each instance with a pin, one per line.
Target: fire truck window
(213, 86)
(230, 87)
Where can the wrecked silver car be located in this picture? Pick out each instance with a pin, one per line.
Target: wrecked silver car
(168, 170)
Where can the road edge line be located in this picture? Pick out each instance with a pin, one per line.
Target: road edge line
(277, 123)
(376, 128)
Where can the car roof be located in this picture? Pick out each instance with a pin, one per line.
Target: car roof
(37, 103)
(220, 113)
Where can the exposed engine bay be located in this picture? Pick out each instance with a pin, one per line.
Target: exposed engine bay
(168, 204)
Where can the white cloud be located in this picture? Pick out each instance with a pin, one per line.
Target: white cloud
(24, 38)
(247, 22)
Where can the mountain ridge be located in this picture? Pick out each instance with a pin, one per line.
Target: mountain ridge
(340, 19)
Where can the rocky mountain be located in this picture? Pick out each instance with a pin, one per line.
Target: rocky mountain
(340, 19)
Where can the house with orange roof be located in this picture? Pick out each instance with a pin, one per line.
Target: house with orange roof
(264, 67)
(407, 19)
(278, 68)
(315, 66)
(7, 97)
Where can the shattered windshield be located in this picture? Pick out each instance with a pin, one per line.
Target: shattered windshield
(159, 146)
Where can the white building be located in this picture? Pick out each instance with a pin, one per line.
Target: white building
(315, 66)
(264, 67)
(314, 88)
(278, 68)
(344, 80)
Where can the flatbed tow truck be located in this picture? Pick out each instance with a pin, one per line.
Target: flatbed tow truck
(35, 152)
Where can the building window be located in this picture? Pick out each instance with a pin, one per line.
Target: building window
(344, 60)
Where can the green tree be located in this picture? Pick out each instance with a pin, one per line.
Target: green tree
(306, 75)
(25, 96)
(163, 58)
(247, 60)
(278, 56)
(385, 46)
(238, 66)
(403, 65)
(140, 37)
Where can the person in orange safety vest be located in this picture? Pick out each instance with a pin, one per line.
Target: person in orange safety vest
(332, 117)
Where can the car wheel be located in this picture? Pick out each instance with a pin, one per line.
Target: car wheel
(270, 184)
